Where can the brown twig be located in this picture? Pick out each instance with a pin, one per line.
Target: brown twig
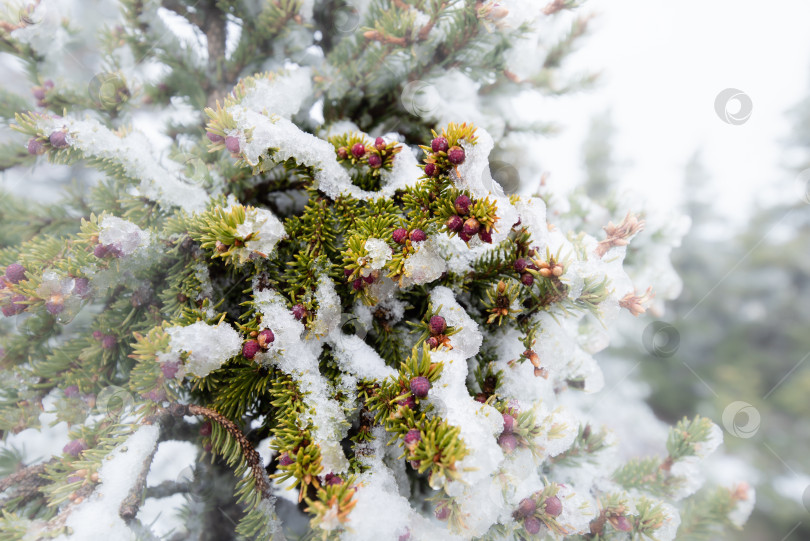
(251, 456)
(166, 489)
(22, 475)
(129, 507)
(25, 482)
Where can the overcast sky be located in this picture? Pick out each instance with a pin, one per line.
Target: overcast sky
(664, 63)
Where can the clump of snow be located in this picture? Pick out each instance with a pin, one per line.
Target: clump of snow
(380, 512)
(672, 520)
(405, 171)
(299, 358)
(577, 510)
(379, 251)
(559, 430)
(517, 379)
(474, 175)
(41, 443)
(352, 353)
(739, 515)
(122, 234)
(48, 35)
(425, 265)
(208, 346)
(479, 423)
(266, 229)
(713, 440)
(161, 179)
(328, 314)
(532, 212)
(264, 112)
(520, 12)
(282, 94)
(97, 517)
(687, 470)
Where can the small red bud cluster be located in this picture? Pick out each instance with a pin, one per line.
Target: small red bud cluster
(401, 235)
(466, 225)
(544, 269)
(12, 303)
(437, 327)
(359, 283)
(528, 508)
(40, 92)
(441, 151)
(374, 154)
(262, 341)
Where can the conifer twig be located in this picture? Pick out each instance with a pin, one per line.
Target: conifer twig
(25, 481)
(251, 456)
(22, 475)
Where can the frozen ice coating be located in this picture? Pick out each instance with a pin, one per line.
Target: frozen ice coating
(122, 234)
(161, 179)
(97, 517)
(56, 287)
(204, 276)
(207, 346)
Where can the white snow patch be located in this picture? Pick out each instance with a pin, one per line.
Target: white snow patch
(122, 234)
(208, 346)
(299, 359)
(97, 517)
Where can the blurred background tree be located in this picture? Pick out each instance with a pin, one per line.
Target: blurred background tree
(742, 327)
